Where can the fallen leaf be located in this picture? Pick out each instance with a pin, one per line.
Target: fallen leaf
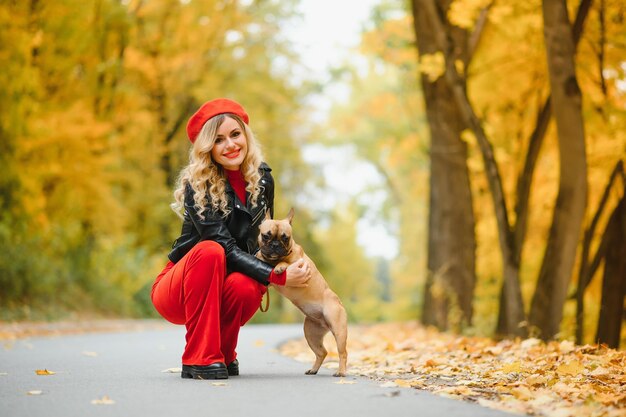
(536, 380)
(35, 392)
(570, 368)
(172, 370)
(403, 383)
(430, 363)
(92, 354)
(530, 343)
(522, 393)
(105, 400)
(44, 372)
(259, 343)
(494, 350)
(599, 371)
(344, 381)
(529, 377)
(392, 393)
(567, 346)
(219, 384)
(512, 367)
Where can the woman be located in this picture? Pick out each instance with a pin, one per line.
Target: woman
(213, 283)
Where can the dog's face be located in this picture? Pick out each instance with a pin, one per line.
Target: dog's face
(275, 241)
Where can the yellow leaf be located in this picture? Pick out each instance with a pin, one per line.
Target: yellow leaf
(219, 384)
(599, 371)
(463, 13)
(92, 354)
(343, 381)
(433, 65)
(512, 367)
(522, 393)
(570, 368)
(468, 137)
(493, 350)
(35, 392)
(566, 346)
(105, 400)
(403, 383)
(460, 66)
(44, 372)
(259, 343)
(536, 380)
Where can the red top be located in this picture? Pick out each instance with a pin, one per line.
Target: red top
(237, 181)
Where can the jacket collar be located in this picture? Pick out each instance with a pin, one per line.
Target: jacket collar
(236, 203)
(264, 169)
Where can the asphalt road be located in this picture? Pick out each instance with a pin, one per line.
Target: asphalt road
(125, 369)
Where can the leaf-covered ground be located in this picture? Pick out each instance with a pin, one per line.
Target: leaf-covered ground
(557, 379)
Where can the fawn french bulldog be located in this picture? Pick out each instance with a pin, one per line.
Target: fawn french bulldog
(322, 308)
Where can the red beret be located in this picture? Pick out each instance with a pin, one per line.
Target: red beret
(211, 109)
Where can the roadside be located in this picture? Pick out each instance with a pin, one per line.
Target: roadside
(521, 376)
(25, 329)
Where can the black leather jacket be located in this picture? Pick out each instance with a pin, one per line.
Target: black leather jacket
(237, 233)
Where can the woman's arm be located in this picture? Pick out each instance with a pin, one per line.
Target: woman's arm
(213, 227)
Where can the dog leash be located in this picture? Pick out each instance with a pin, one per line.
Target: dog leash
(267, 302)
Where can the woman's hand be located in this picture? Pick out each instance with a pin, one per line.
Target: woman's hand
(298, 273)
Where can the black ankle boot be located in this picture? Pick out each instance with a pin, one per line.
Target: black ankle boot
(214, 371)
(233, 368)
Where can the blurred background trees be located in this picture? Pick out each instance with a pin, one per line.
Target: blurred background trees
(496, 128)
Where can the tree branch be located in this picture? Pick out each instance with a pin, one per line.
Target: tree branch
(524, 182)
(476, 35)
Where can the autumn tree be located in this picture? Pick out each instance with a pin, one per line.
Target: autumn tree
(435, 13)
(451, 242)
(515, 142)
(547, 306)
(95, 96)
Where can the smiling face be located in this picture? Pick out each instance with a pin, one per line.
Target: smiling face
(230, 146)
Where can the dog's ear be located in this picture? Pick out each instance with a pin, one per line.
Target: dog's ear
(290, 215)
(267, 215)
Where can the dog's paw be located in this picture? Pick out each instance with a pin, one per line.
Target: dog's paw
(279, 269)
(310, 372)
(340, 374)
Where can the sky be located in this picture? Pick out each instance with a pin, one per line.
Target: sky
(327, 35)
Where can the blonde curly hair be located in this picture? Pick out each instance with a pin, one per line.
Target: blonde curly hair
(206, 177)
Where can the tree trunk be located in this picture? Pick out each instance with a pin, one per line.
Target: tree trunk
(515, 309)
(556, 270)
(451, 241)
(614, 280)
(589, 267)
(524, 180)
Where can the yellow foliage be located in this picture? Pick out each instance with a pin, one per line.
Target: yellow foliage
(463, 13)
(98, 94)
(433, 65)
(523, 376)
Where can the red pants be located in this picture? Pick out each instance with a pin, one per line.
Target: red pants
(197, 293)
